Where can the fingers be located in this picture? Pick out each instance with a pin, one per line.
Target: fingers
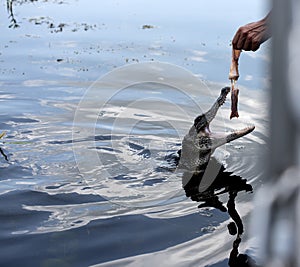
(243, 40)
(255, 45)
(250, 36)
(251, 44)
(238, 40)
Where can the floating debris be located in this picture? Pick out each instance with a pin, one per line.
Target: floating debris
(147, 26)
(39, 20)
(2, 134)
(208, 229)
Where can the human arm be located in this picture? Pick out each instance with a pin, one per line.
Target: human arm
(252, 35)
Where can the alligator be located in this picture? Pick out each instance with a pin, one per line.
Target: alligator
(204, 178)
(200, 143)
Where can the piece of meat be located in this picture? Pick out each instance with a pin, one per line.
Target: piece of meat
(234, 102)
(234, 67)
(233, 76)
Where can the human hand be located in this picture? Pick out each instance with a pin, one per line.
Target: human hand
(252, 35)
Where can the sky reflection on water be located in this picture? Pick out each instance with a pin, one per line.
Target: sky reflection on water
(46, 202)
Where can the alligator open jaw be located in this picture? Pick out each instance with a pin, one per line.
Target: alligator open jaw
(199, 144)
(201, 124)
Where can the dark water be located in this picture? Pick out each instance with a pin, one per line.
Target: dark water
(88, 179)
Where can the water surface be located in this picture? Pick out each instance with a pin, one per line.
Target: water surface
(58, 208)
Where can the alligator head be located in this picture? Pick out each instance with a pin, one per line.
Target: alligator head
(199, 144)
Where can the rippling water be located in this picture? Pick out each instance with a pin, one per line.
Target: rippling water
(90, 176)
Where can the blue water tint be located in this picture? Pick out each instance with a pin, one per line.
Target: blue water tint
(129, 208)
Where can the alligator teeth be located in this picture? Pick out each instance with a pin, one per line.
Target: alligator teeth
(246, 129)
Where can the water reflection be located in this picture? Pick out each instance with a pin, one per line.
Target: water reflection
(3, 154)
(237, 259)
(36, 20)
(13, 21)
(1, 150)
(224, 183)
(46, 202)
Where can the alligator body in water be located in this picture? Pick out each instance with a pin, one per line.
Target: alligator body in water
(200, 143)
(197, 165)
